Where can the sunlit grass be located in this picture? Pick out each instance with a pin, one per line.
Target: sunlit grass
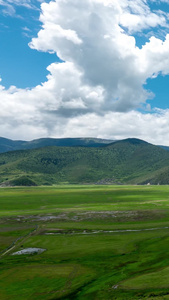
(114, 265)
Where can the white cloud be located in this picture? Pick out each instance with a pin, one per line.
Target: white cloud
(105, 54)
(47, 110)
(9, 6)
(150, 127)
(99, 86)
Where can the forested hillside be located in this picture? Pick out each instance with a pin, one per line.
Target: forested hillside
(127, 161)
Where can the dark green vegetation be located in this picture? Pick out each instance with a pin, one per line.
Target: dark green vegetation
(104, 242)
(10, 145)
(128, 161)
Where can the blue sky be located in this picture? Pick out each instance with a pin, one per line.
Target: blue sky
(160, 85)
(107, 86)
(20, 65)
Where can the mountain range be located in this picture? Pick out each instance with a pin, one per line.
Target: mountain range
(11, 145)
(82, 161)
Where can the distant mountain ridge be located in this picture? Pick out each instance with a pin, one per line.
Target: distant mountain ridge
(129, 161)
(11, 145)
(7, 145)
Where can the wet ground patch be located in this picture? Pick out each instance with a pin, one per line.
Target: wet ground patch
(87, 231)
(114, 216)
(29, 251)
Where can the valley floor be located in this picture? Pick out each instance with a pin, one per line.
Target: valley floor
(84, 242)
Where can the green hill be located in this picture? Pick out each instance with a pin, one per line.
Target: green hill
(127, 161)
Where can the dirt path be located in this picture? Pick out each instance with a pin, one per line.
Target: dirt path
(70, 278)
(21, 240)
(67, 286)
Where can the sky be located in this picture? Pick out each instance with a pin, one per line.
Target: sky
(89, 68)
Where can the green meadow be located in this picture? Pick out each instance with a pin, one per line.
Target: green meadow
(99, 242)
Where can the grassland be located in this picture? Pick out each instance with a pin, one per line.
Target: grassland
(101, 242)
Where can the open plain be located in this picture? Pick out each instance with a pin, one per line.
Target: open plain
(93, 242)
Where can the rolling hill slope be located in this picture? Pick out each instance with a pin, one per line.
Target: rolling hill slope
(127, 161)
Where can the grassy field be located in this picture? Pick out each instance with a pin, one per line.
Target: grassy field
(100, 242)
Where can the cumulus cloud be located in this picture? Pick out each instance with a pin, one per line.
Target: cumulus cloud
(98, 86)
(89, 34)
